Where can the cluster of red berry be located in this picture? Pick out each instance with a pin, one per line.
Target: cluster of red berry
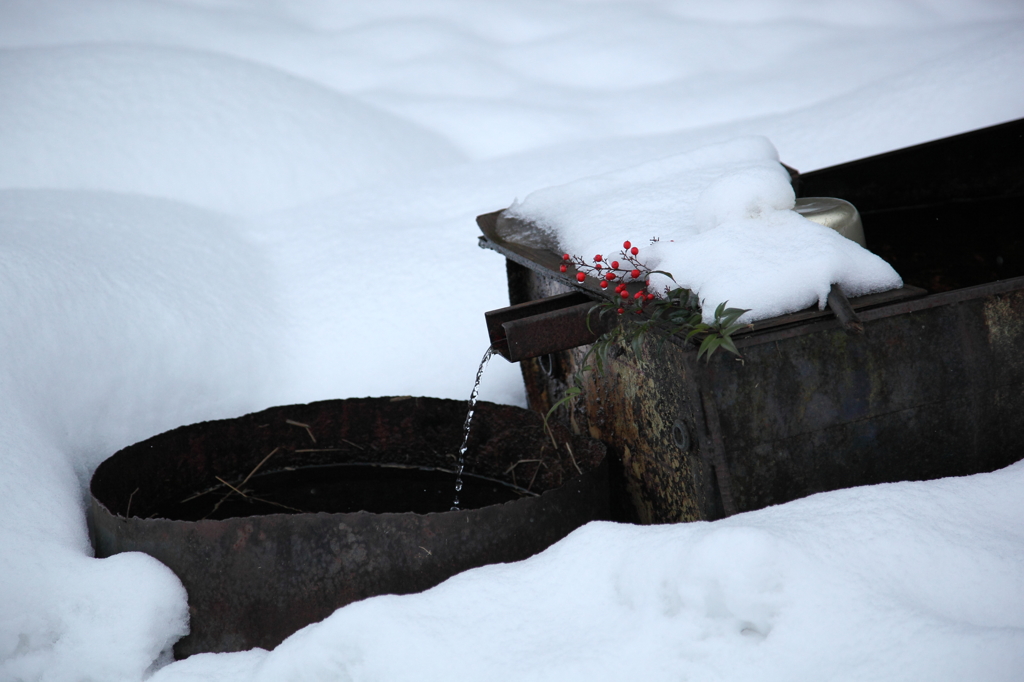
(608, 272)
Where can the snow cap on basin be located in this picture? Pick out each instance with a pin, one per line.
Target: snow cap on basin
(720, 219)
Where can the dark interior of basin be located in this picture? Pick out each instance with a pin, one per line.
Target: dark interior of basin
(375, 455)
(343, 489)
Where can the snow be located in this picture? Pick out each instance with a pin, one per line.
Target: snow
(209, 206)
(108, 111)
(828, 587)
(724, 227)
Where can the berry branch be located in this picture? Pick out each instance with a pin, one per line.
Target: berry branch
(613, 272)
(678, 311)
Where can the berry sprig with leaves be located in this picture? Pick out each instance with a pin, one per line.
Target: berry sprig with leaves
(619, 272)
(677, 312)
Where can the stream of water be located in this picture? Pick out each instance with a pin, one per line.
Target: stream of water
(466, 426)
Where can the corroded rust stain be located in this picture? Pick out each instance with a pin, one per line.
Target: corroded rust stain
(1004, 321)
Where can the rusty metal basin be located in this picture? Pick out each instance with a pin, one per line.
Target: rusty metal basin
(255, 574)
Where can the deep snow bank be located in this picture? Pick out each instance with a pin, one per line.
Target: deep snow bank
(146, 119)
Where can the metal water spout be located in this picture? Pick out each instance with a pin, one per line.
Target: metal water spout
(548, 325)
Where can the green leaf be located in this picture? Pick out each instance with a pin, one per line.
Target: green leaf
(600, 357)
(699, 328)
(715, 346)
(729, 345)
(730, 316)
(589, 329)
(637, 344)
(712, 343)
(570, 393)
(705, 345)
(716, 342)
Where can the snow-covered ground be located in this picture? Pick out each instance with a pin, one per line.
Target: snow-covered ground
(212, 206)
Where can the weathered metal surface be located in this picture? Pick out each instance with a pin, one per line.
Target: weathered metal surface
(844, 312)
(932, 387)
(923, 394)
(254, 580)
(549, 325)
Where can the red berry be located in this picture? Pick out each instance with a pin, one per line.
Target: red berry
(624, 293)
(597, 258)
(609, 275)
(634, 251)
(626, 245)
(638, 294)
(565, 256)
(597, 266)
(621, 311)
(635, 274)
(580, 277)
(615, 264)
(649, 297)
(604, 285)
(562, 268)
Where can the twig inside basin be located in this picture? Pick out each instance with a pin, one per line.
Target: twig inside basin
(305, 426)
(244, 481)
(258, 499)
(573, 458)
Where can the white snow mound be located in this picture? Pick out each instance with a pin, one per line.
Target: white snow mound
(720, 219)
(197, 127)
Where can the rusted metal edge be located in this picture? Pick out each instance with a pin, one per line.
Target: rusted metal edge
(1002, 286)
(548, 325)
(496, 318)
(541, 261)
(538, 260)
(847, 317)
(814, 314)
(897, 307)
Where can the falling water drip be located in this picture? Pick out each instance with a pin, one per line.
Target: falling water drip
(466, 426)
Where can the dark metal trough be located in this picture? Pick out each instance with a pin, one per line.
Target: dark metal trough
(257, 576)
(930, 384)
